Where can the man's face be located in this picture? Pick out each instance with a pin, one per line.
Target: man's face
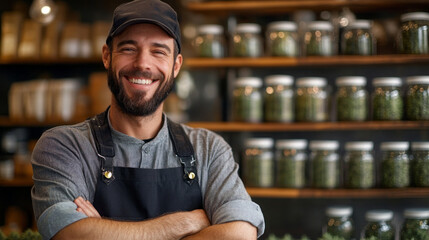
(141, 68)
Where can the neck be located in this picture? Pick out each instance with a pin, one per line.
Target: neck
(146, 127)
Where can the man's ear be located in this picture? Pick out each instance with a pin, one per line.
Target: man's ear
(106, 56)
(178, 64)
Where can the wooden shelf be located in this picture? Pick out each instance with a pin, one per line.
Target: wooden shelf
(339, 193)
(17, 182)
(287, 6)
(305, 61)
(50, 61)
(5, 121)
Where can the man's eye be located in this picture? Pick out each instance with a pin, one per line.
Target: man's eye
(127, 50)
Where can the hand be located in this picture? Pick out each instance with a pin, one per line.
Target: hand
(85, 207)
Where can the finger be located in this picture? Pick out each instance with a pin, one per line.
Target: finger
(86, 207)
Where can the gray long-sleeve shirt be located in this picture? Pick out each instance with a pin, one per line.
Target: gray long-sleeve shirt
(66, 166)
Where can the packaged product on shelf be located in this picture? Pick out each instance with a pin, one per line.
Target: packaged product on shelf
(319, 39)
(416, 224)
(414, 35)
(99, 30)
(311, 100)
(64, 98)
(359, 167)
(387, 99)
(352, 98)
(99, 93)
(358, 39)
(247, 41)
(258, 162)
(420, 164)
(339, 222)
(324, 164)
(34, 99)
(70, 44)
(210, 42)
(291, 158)
(16, 100)
(282, 39)
(10, 33)
(247, 102)
(395, 164)
(85, 45)
(379, 225)
(50, 39)
(279, 103)
(30, 42)
(417, 98)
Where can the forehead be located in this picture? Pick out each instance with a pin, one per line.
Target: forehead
(144, 31)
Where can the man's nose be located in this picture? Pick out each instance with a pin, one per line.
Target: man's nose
(142, 60)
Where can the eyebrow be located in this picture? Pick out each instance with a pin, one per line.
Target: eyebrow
(161, 45)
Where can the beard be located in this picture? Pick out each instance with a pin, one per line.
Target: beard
(136, 105)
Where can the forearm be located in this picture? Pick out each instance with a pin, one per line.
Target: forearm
(233, 230)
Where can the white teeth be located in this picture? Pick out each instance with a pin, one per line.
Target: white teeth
(140, 81)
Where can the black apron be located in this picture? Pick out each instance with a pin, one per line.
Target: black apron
(135, 194)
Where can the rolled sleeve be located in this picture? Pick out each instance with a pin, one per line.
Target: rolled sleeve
(57, 217)
(240, 210)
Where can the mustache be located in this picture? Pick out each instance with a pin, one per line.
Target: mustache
(141, 74)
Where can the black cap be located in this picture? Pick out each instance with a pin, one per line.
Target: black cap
(145, 11)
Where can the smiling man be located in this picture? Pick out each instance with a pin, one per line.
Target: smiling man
(130, 172)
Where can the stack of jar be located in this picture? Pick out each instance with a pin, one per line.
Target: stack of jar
(310, 100)
(285, 163)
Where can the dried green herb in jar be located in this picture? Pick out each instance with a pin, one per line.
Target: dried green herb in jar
(209, 41)
(311, 100)
(420, 163)
(339, 222)
(282, 39)
(290, 162)
(358, 39)
(318, 40)
(379, 225)
(247, 102)
(324, 164)
(352, 99)
(279, 99)
(359, 165)
(415, 225)
(395, 165)
(246, 41)
(414, 36)
(387, 102)
(417, 98)
(258, 162)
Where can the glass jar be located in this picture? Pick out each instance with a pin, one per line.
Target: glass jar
(414, 37)
(246, 41)
(324, 164)
(282, 39)
(359, 165)
(311, 100)
(358, 39)
(290, 161)
(258, 162)
(279, 99)
(210, 42)
(420, 163)
(247, 100)
(339, 222)
(395, 164)
(379, 225)
(318, 39)
(417, 98)
(352, 99)
(416, 224)
(387, 102)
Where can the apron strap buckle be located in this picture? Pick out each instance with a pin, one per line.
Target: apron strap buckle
(106, 169)
(189, 169)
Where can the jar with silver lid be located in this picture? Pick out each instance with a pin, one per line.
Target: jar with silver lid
(359, 167)
(379, 225)
(339, 222)
(358, 39)
(324, 164)
(319, 39)
(258, 162)
(247, 102)
(420, 163)
(311, 100)
(414, 36)
(417, 98)
(282, 39)
(387, 102)
(352, 98)
(279, 99)
(395, 169)
(247, 41)
(210, 42)
(416, 224)
(290, 163)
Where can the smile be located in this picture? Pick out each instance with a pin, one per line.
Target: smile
(140, 81)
